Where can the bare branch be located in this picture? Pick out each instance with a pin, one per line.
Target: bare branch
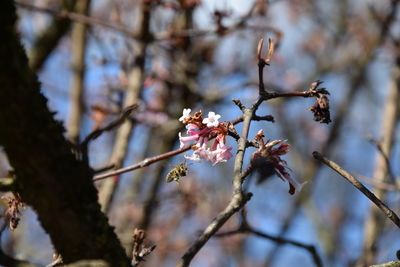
(84, 146)
(148, 161)
(239, 199)
(245, 228)
(380, 148)
(382, 206)
(379, 185)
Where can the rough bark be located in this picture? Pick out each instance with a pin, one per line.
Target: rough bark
(49, 178)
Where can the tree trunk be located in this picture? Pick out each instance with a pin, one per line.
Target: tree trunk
(49, 178)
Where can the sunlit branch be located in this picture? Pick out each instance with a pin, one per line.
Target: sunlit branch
(148, 161)
(239, 197)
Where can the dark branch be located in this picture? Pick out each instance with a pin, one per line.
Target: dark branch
(382, 206)
(246, 229)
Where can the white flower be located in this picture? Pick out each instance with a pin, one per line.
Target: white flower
(185, 114)
(195, 157)
(212, 120)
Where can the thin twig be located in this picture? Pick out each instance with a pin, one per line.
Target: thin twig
(382, 206)
(245, 228)
(143, 163)
(148, 161)
(385, 158)
(379, 185)
(83, 147)
(104, 169)
(115, 123)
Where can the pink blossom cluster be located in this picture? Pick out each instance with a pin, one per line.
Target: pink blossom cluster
(202, 130)
(269, 156)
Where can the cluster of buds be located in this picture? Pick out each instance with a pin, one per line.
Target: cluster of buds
(202, 130)
(267, 161)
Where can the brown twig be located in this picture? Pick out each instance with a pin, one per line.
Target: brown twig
(143, 163)
(379, 185)
(244, 228)
(382, 206)
(151, 160)
(148, 161)
(83, 147)
(115, 123)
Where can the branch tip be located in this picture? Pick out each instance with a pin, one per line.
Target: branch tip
(238, 103)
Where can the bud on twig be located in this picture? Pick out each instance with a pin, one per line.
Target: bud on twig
(271, 48)
(139, 251)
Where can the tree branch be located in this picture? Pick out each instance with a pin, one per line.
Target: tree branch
(245, 228)
(78, 43)
(131, 97)
(148, 161)
(382, 206)
(239, 199)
